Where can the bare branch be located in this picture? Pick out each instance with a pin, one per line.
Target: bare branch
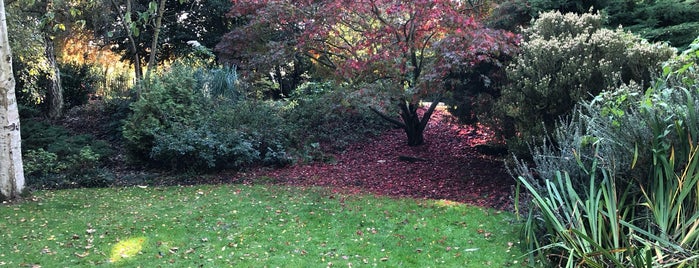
(388, 118)
(428, 113)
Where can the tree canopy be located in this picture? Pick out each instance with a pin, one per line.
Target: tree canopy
(406, 47)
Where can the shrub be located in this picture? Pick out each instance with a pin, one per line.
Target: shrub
(620, 186)
(197, 119)
(338, 117)
(55, 158)
(565, 59)
(264, 125)
(79, 81)
(202, 148)
(168, 99)
(676, 22)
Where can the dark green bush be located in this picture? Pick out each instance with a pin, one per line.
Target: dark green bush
(338, 117)
(263, 124)
(187, 118)
(169, 99)
(78, 82)
(675, 22)
(235, 136)
(203, 148)
(55, 158)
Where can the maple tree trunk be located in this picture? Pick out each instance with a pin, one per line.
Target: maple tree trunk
(411, 125)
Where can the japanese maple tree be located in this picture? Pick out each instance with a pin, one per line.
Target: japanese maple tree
(409, 47)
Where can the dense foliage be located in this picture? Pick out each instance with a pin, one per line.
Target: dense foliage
(187, 119)
(79, 82)
(56, 158)
(620, 185)
(116, 22)
(334, 116)
(565, 59)
(176, 123)
(675, 21)
(407, 47)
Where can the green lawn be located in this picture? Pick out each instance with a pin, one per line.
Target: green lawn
(250, 226)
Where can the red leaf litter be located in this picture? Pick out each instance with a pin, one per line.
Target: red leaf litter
(447, 167)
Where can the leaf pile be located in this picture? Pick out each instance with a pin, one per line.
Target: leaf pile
(447, 166)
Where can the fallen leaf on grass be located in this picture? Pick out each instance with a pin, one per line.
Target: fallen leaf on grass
(83, 255)
(47, 251)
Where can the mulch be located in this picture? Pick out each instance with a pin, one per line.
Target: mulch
(448, 166)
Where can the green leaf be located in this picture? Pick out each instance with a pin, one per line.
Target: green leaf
(60, 26)
(152, 7)
(135, 30)
(74, 12)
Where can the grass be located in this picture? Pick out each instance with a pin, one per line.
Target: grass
(250, 226)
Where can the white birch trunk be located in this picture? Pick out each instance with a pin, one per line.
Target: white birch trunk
(11, 170)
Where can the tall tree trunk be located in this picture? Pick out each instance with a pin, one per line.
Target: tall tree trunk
(53, 80)
(11, 170)
(156, 33)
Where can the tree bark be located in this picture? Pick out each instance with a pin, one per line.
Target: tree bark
(411, 122)
(11, 169)
(53, 80)
(413, 125)
(156, 33)
(138, 72)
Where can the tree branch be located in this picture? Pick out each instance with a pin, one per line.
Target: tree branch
(388, 118)
(428, 113)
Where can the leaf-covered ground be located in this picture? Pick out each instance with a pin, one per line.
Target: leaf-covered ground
(448, 167)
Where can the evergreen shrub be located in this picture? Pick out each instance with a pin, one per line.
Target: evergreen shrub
(338, 117)
(55, 158)
(566, 58)
(194, 118)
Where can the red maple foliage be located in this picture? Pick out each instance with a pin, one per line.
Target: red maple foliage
(447, 167)
(408, 47)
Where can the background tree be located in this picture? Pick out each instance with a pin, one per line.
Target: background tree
(37, 26)
(672, 21)
(134, 33)
(675, 21)
(404, 48)
(263, 46)
(566, 6)
(11, 171)
(510, 15)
